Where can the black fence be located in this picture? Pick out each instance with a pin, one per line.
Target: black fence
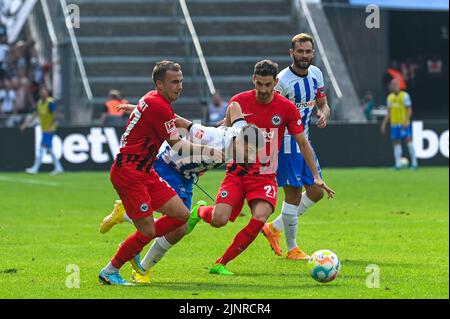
(338, 145)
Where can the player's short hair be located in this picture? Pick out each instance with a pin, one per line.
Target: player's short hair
(252, 135)
(265, 68)
(161, 67)
(302, 37)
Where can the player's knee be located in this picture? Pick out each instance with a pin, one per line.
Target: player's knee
(183, 214)
(148, 231)
(316, 195)
(219, 222)
(319, 196)
(184, 217)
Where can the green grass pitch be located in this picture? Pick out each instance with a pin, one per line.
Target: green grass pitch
(398, 221)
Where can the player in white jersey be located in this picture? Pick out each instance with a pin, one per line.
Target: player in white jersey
(182, 170)
(303, 84)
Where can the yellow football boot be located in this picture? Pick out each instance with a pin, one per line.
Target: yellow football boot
(140, 279)
(116, 217)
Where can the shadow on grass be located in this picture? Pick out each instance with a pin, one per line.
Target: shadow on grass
(381, 264)
(230, 288)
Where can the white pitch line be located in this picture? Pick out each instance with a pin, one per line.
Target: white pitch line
(28, 181)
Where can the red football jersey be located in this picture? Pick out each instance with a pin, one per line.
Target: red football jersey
(150, 124)
(273, 118)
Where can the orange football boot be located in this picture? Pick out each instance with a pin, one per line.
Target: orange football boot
(297, 254)
(273, 237)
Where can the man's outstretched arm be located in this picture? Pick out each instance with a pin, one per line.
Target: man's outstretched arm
(308, 155)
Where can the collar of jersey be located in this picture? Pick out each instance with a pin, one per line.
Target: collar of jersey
(293, 71)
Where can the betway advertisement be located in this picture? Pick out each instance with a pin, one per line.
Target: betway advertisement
(338, 145)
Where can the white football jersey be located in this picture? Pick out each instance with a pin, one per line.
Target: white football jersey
(216, 137)
(303, 92)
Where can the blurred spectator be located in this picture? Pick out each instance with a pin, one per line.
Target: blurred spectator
(394, 73)
(21, 75)
(4, 50)
(368, 105)
(3, 30)
(216, 109)
(7, 98)
(434, 67)
(37, 77)
(111, 116)
(22, 86)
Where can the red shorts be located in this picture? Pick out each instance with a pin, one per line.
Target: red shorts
(141, 193)
(234, 190)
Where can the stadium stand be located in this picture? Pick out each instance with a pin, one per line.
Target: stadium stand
(119, 44)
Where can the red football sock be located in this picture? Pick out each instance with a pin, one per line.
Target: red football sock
(165, 225)
(242, 240)
(132, 246)
(205, 213)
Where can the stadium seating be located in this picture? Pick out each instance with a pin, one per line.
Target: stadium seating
(120, 43)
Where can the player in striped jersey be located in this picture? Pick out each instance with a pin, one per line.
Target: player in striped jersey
(180, 172)
(303, 84)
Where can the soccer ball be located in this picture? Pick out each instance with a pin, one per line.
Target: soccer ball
(404, 162)
(324, 265)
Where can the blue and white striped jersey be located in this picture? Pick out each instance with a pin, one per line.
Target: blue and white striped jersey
(303, 91)
(190, 166)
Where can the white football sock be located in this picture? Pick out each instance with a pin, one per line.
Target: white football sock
(127, 219)
(278, 223)
(38, 160)
(110, 269)
(412, 154)
(156, 252)
(290, 222)
(305, 203)
(398, 155)
(56, 161)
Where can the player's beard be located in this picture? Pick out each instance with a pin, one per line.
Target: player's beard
(264, 97)
(302, 64)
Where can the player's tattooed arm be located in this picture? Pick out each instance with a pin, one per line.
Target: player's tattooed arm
(323, 112)
(234, 113)
(308, 155)
(186, 148)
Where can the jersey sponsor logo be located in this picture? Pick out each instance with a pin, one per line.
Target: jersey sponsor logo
(170, 126)
(144, 207)
(224, 194)
(303, 105)
(199, 134)
(276, 120)
(142, 105)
